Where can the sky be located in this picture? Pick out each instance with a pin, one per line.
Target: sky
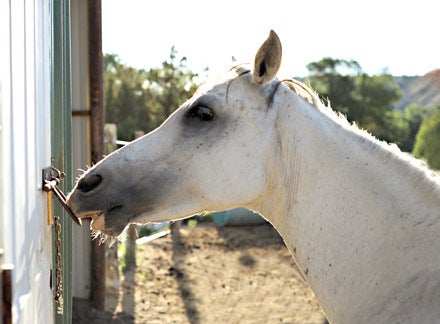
(400, 37)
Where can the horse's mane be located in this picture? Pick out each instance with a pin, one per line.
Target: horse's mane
(384, 149)
(310, 96)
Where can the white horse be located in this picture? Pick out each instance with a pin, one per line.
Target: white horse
(361, 219)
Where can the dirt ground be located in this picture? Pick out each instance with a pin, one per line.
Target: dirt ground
(209, 275)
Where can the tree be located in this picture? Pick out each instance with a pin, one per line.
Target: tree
(125, 97)
(427, 144)
(333, 79)
(141, 100)
(170, 85)
(367, 100)
(414, 116)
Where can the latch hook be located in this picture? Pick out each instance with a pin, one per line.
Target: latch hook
(51, 179)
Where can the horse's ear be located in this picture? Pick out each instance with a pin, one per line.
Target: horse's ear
(268, 59)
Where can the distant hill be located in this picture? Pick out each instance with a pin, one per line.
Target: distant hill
(419, 90)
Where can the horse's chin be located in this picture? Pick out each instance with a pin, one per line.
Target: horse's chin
(98, 223)
(101, 225)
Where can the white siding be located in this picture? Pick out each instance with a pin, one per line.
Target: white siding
(24, 151)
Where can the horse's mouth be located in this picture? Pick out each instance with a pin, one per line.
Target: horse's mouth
(99, 217)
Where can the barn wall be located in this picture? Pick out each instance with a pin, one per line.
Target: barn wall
(81, 274)
(25, 149)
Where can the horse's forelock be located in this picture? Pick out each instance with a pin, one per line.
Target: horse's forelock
(240, 69)
(301, 89)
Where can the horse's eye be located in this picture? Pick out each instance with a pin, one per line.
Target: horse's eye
(203, 113)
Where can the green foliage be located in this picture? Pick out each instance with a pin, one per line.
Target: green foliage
(171, 85)
(145, 230)
(122, 266)
(414, 116)
(329, 66)
(427, 143)
(327, 79)
(367, 100)
(203, 217)
(141, 100)
(192, 223)
(395, 129)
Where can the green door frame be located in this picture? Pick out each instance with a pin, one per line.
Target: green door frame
(61, 134)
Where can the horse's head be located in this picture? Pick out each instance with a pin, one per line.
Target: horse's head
(210, 154)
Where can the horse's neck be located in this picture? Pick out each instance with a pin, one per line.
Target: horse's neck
(362, 226)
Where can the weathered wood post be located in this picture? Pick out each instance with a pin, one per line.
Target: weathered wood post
(111, 255)
(96, 73)
(130, 252)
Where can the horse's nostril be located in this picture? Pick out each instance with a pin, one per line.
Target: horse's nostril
(90, 182)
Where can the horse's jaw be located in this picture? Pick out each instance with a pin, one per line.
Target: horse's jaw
(103, 221)
(114, 205)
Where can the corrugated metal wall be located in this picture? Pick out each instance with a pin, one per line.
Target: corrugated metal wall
(25, 149)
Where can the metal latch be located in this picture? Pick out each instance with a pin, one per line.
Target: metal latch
(51, 179)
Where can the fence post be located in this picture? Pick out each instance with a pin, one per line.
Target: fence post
(111, 255)
(130, 252)
(110, 135)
